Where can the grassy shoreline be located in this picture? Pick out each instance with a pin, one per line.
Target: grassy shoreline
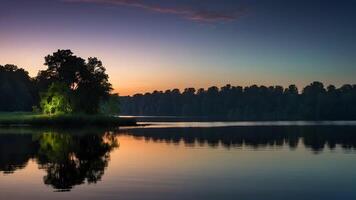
(63, 120)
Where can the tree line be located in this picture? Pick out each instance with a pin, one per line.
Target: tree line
(70, 84)
(314, 102)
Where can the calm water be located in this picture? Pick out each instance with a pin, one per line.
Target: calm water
(181, 161)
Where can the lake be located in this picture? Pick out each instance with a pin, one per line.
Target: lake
(181, 160)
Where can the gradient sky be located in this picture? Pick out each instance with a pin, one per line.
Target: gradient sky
(162, 44)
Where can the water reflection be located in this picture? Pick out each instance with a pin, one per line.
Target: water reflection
(15, 151)
(74, 157)
(315, 138)
(68, 158)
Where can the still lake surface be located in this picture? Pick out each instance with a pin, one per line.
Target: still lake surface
(181, 160)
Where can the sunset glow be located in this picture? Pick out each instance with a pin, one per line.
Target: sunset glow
(157, 45)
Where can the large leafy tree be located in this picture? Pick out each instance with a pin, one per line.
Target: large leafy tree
(87, 81)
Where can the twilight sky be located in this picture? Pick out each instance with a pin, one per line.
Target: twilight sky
(163, 44)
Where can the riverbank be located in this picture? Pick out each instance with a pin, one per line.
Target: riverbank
(63, 120)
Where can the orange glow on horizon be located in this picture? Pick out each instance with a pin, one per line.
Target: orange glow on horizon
(133, 73)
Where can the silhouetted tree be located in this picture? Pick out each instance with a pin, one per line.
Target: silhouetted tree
(87, 80)
(17, 90)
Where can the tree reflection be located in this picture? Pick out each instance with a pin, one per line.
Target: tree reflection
(315, 138)
(68, 159)
(15, 151)
(72, 160)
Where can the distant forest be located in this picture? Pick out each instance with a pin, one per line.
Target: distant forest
(314, 102)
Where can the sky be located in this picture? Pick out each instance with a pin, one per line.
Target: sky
(149, 45)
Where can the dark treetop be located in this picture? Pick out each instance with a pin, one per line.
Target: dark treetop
(69, 84)
(249, 103)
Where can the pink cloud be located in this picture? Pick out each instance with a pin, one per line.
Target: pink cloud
(186, 13)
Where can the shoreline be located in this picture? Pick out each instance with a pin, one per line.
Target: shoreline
(63, 120)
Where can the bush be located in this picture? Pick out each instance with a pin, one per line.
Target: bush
(56, 100)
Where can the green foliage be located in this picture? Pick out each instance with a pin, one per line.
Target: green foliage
(111, 105)
(87, 81)
(56, 100)
(55, 147)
